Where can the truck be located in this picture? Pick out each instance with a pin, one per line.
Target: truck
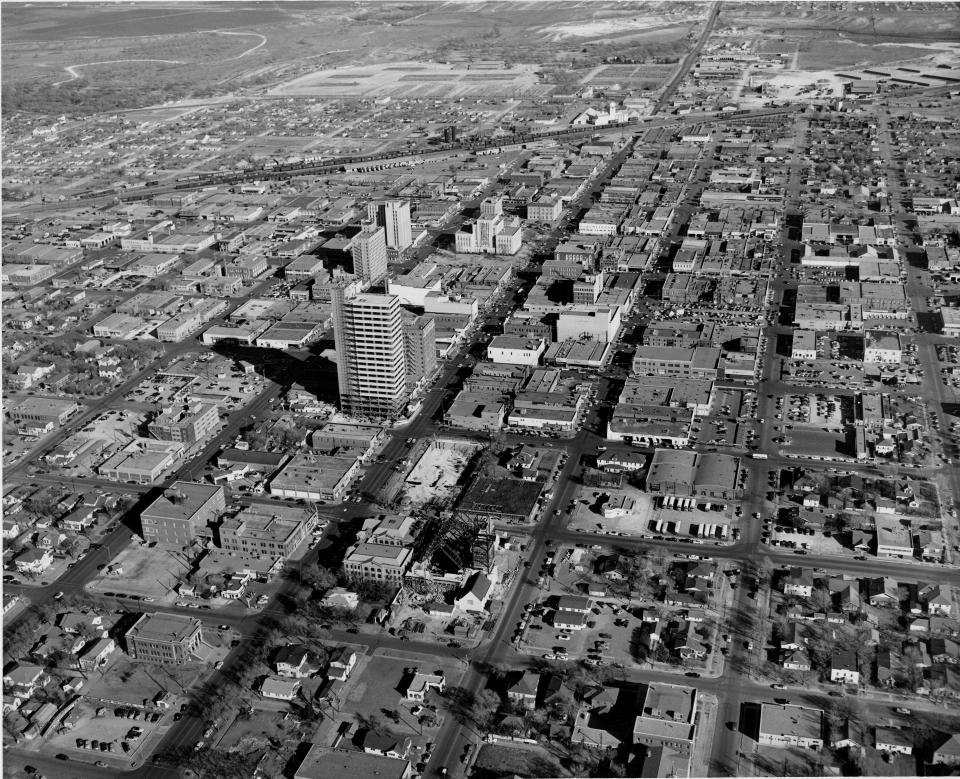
(759, 456)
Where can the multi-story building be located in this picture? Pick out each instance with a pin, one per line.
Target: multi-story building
(42, 413)
(164, 638)
(274, 531)
(177, 516)
(394, 217)
(491, 232)
(596, 324)
(371, 364)
(189, 424)
(587, 289)
(419, 348)
(383, 563)
(516, 350)
(544, 210)
(370, 253)
(510, 237)
(700, 362)
(667, 717)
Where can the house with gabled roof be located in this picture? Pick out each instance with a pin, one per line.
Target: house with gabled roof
(523, 691)
(386, 744)
(883, 591)
(889, 668)
(476, 593)
(292, 661)
(944, 650)
(938, 599)
(948, 753)
(850, 735)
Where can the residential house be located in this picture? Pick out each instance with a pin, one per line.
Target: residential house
(889, 668)
(292, 662)
(475, 594)
(342, 662)
(850, 735)
(24, 678)
(279, 689)
(844, 668)
(386, 744)
(798, 581)
(97, 654)
(938, 597)
(523, 691)
(883, 591)
(893, 741)
(948, 753)
(944, 650)
(421, 684)
(682, 641)
(34, 561)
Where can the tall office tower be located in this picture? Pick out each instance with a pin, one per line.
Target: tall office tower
(419, 347)
(491, 207)
(370, 253)
(394, 217)
(371, 368)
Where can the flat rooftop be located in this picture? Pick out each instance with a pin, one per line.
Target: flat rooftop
(164, 627)
(788, 720)
(181, 500)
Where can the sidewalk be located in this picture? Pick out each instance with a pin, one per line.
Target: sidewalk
(706, 733)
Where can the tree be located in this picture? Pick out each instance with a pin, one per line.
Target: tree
(319, 578)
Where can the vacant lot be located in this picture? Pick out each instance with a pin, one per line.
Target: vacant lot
(435, 475)
(496, 760)
(143, 571)
(127, 681)
(410, 79)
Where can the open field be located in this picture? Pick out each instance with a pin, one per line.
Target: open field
(411, 79)
(87, 59)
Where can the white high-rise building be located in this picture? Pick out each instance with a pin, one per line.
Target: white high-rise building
(370, 253)
(394, 217)
(371, 364)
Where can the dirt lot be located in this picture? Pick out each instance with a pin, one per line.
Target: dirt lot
(127, 681)
(145, 572)
(435, 475)
(520, 759)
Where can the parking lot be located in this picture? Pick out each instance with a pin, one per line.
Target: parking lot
(593, 511)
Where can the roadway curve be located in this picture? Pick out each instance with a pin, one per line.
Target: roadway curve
(263, 41)
(72, 69)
